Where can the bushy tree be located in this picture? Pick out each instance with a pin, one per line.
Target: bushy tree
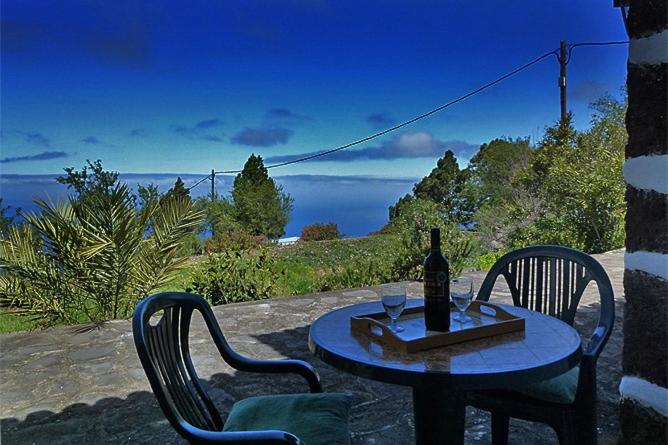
(446, 185)
(398, 208)
(219, 216)
(584, 184)
(570, 190)
(497, 223)
(558, 138)
(494, 167)
(91, 181)
(260, 206)
(492, 180)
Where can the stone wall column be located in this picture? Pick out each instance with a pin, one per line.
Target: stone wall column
(644, 397)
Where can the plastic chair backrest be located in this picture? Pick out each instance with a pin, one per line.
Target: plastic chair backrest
(164, 353)
(551, 280)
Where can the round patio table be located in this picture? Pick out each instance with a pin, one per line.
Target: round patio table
(440, 377)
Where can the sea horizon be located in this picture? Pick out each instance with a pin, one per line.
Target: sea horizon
(358, 204)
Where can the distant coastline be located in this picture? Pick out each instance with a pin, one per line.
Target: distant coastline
(358, 204)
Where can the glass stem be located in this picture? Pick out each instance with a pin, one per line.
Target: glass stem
(392, 324)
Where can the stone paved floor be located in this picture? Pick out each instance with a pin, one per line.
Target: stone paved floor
(61, 386)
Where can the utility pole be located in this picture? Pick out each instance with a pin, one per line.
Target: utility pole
(562, 80)
(213, 185)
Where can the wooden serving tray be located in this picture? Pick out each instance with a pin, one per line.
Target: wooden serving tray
(487, 320)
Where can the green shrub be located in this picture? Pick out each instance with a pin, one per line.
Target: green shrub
(366, 272)
(233, 241)
(320, 232)
(296, 278)
(231, 277)
(192, 245)
(414, 229)
(487, 260)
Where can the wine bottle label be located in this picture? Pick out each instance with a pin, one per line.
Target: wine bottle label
(434, 284)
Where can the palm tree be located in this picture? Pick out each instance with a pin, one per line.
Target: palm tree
(92, 259)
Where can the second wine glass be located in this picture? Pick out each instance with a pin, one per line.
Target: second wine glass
(393, 296)
(461, 293)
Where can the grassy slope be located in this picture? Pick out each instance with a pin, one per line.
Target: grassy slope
(304, 262)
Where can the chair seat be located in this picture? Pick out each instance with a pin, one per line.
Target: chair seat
(316, 419)
(560, 389)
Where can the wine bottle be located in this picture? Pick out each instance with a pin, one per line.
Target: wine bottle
(436, 287)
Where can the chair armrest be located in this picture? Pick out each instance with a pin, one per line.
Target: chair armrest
(243, 437)
(596, 343)
(606, 321)
(238, 361)
(587, 376)
(300, 367)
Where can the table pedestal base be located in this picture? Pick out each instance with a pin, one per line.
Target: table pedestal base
(439, 416)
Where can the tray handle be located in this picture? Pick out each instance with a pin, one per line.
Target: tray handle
(488, 309)
(371, 327)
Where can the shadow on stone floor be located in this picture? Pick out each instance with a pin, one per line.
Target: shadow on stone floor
(382, 414)
(137, 418)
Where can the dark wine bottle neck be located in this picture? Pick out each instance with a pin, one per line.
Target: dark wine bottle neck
(435, 239)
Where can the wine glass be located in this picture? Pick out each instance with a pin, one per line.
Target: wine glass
(393, 296)
(461, 293)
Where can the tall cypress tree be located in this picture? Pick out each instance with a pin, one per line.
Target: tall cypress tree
(261, 206)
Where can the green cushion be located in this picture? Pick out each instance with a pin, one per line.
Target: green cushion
(560, 389)
(316, 419)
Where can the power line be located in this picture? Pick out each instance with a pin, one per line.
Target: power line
(423, 115)
(576, 45)
(199, 182)
(410, 121)
(614, 42)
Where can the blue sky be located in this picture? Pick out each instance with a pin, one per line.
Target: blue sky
(160, 86)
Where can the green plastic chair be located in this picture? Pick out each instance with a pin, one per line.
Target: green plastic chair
(313, 418)
(551, 280)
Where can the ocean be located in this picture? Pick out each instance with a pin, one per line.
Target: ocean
(358, 204)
